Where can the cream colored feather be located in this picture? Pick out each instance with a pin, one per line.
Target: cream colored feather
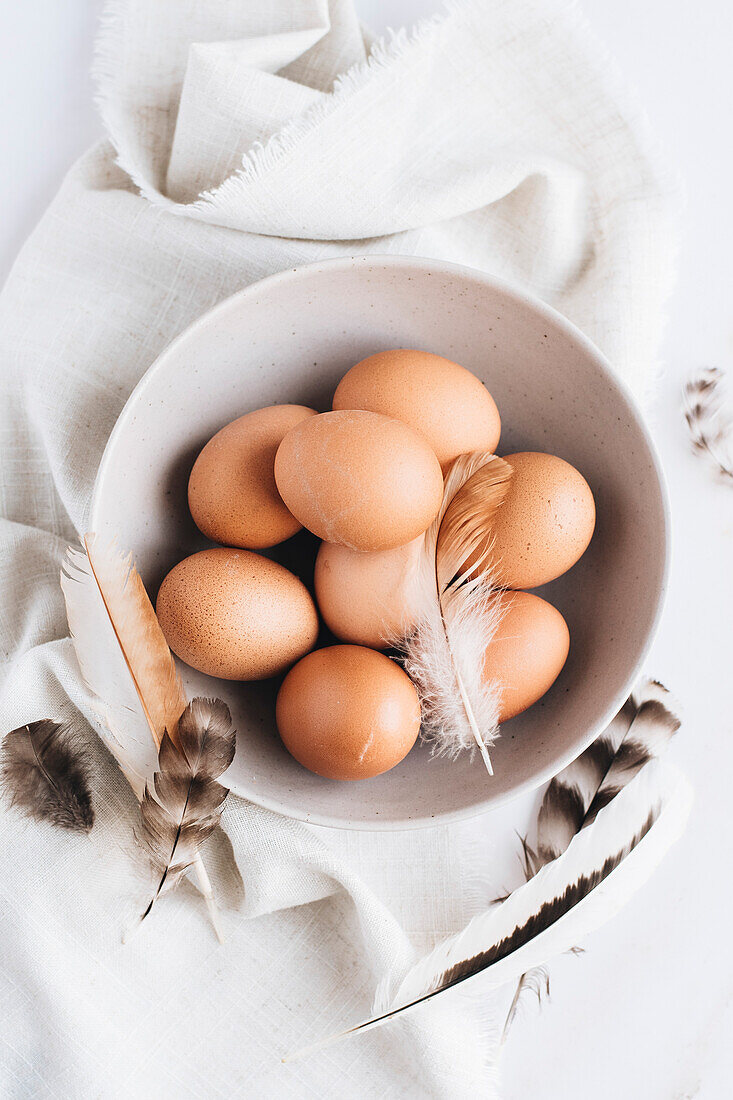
(126, 663)
(570, 897)
(119, 713)
(458, 610)
(140, 637)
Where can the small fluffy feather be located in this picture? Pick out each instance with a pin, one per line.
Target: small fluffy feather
(535, 981)
(458, 611)
(710, 428)
(43, 772)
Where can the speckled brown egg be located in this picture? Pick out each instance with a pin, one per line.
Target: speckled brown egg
(236, 615)
(367, 598)
(359, 479)
(527, 653)
(232, 493)
(444, 401)
(545, 522)
(347, 712)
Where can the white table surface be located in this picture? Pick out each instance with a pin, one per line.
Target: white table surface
(647, 1012)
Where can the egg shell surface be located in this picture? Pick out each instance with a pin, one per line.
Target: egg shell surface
(367, 597)
(236, 615)
(348, 712)
(527, 653)
(545, 523)
(447, 403)
(359, 479)
(232, 493)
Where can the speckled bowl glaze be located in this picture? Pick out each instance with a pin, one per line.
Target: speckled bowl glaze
(289, 339)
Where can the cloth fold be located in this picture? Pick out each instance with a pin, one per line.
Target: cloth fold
(493, 136)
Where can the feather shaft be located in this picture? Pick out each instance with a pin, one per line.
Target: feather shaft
(536, 980)
(473, 723)
(204, 885)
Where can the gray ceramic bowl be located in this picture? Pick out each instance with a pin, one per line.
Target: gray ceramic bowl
(290, 338)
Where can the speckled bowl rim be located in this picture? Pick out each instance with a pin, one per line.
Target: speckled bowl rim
(423, 264)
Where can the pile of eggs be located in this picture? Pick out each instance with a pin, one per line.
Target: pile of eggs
(366, 479)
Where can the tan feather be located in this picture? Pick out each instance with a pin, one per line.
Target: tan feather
(476, 485)
(141, 640)
(457, 610)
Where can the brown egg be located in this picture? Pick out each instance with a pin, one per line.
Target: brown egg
(527, 653)
(232, 493)
(437, 397)
(348, 712)
(545, 523)
(236, 615)
(365, 597)
(359, 479)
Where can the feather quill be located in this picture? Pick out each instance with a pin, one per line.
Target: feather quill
(183, 806)
(44, 774)
(567, 899)
(125, 661)
(638, 734)
(457, 611)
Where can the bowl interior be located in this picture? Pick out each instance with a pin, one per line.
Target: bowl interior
(290, 339)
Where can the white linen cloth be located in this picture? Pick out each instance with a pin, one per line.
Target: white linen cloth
(493, 136)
